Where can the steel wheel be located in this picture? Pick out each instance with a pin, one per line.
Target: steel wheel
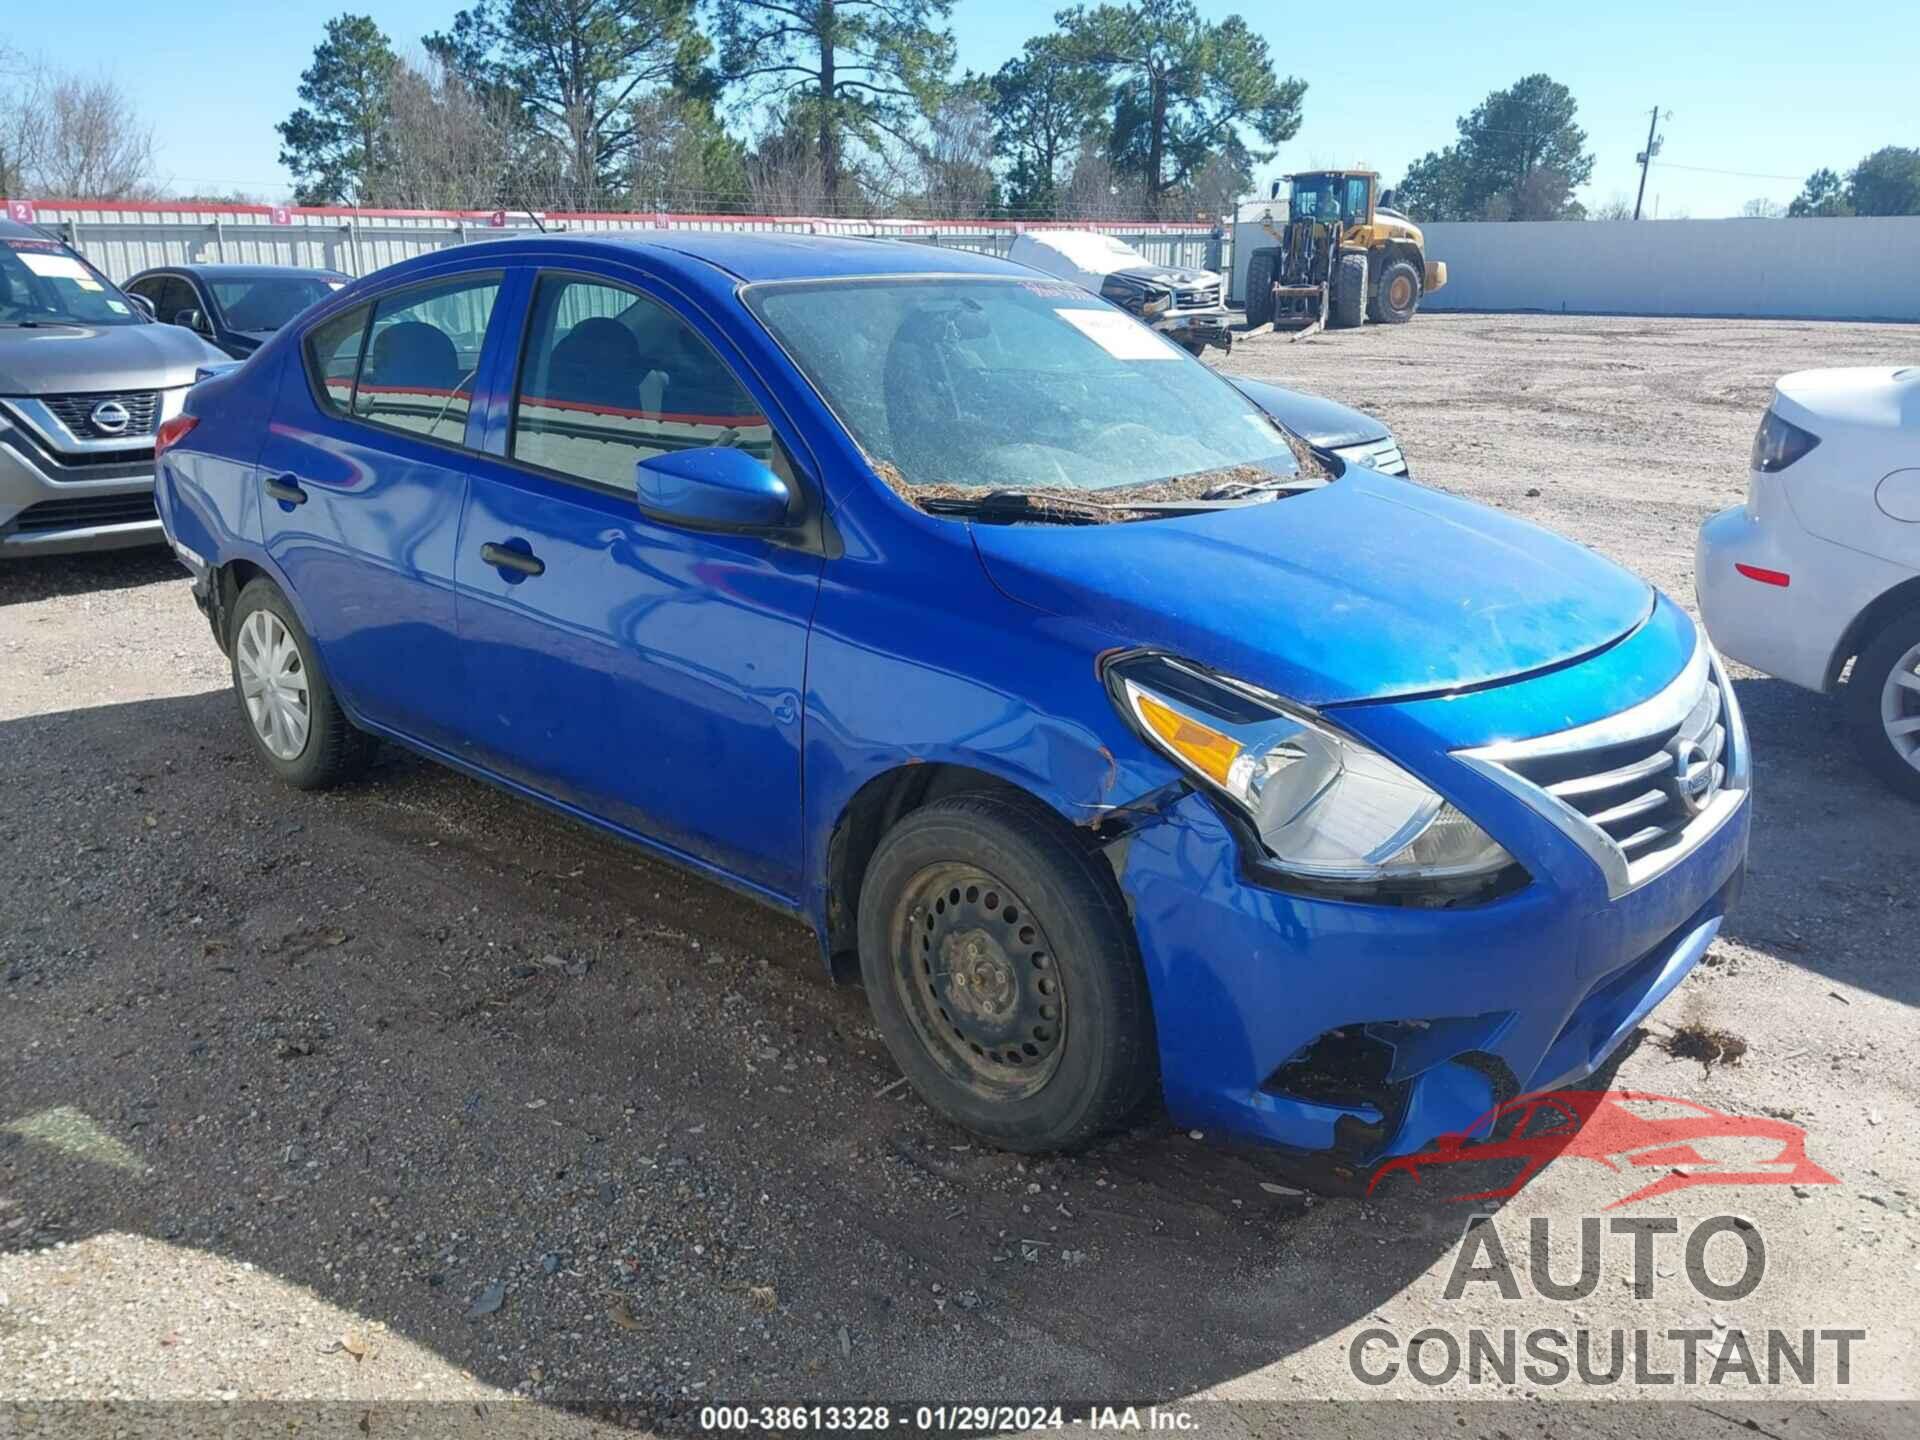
(1900, 707)
(1400, 291)
(273, 682)
(975, 973)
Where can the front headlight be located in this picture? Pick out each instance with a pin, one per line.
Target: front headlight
(1325, 806)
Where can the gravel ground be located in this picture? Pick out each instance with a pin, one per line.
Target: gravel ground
(412, 1091)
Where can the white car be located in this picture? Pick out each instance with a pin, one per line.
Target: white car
(1822, 564)
(1188, 306)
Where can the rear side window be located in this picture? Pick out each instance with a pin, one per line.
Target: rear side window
(611, 377)
(333, 357)
(421, 354)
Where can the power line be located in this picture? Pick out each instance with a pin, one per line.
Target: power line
(1710, 170)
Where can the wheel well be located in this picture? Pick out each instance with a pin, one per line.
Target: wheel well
(1399, 251)
(876, 808)
(224, 594)
(1901, 598)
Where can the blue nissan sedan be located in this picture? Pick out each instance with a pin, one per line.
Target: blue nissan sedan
(1117, 740)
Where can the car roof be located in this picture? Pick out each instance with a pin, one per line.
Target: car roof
(701, 256)
(14, 230)
(216, 270)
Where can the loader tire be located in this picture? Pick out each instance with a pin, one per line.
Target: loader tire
(1260, 288)
(1398, 296)
(1347, 306)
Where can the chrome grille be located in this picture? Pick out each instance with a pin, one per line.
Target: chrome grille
(76, 413)
(1639, 789)
(1193, 297)
(1382, 455)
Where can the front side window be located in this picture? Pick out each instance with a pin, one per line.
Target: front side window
(421, 353)
(610, 378)
(1012, 384)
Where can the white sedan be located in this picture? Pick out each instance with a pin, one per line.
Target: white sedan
(1822, 564)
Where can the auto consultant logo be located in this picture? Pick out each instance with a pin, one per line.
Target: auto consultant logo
(1724, 1259)
(110, 417)
(1625, 1131)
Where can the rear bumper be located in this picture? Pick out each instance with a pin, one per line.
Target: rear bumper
(50, 508)
(1793, 631)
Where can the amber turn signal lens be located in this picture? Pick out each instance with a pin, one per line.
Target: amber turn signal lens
(1207, 750)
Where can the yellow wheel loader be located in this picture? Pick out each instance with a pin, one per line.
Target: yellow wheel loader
(1341, 258)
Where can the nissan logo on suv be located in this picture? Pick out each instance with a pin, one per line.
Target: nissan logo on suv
(109, 417)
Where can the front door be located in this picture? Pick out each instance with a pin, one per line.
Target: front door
(362, 480)
(648, 675)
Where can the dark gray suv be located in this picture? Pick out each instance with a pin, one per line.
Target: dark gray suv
(86, 378)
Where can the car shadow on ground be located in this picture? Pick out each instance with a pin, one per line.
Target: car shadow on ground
(1834, 852)
(413, 1040)
(55, 577)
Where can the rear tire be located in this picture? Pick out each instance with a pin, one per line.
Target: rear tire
(1003, 972)
(1260, 287)
(296, 725)
(1347, 306)
(1883, 698)
(1398, 295)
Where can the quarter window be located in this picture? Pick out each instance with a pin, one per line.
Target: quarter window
(421, 354)
(611, 378)
(333, 357)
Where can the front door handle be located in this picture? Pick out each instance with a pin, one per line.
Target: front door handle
(286, 489)
(503, 557)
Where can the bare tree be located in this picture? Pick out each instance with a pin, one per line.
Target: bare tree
(446, 146)
(1762, 208)
(1617, 207)
(1097, 189)
(956, 161)
(66, 135)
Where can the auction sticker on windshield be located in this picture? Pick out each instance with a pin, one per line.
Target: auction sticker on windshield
(56, 266)
(1119, 336)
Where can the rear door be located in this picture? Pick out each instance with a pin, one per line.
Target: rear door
(648, 675)
(363, 477)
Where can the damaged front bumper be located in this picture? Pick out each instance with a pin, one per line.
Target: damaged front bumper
(1211, 327)
(1356, 1032)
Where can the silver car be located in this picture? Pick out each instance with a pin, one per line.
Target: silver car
(86, 379)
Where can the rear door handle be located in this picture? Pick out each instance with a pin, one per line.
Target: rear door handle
(502, 557)
(286, 489)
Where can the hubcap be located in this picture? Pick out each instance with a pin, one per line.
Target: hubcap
(1900, 707)
(976, 974)
(273, 683)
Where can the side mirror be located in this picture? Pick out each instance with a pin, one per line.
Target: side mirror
(194, 320)
(143, 305)
(716, 487)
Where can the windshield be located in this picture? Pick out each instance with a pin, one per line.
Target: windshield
(267, 302)
(1009, 384)
(1329, 197)
(44, 283)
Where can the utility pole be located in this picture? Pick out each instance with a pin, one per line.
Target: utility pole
(1645, 157)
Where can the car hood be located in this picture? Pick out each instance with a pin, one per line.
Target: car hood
(1317, 421)
(1366, 589)
(60, 359)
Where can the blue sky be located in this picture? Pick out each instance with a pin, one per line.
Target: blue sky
(1769, 88)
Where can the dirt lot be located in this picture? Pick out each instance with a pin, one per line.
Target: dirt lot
(412, 1091)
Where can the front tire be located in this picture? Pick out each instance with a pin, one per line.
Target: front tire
(1883, 704)
(1003, 973)
(1260, 271)
(1349, 299)
(288, 707)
